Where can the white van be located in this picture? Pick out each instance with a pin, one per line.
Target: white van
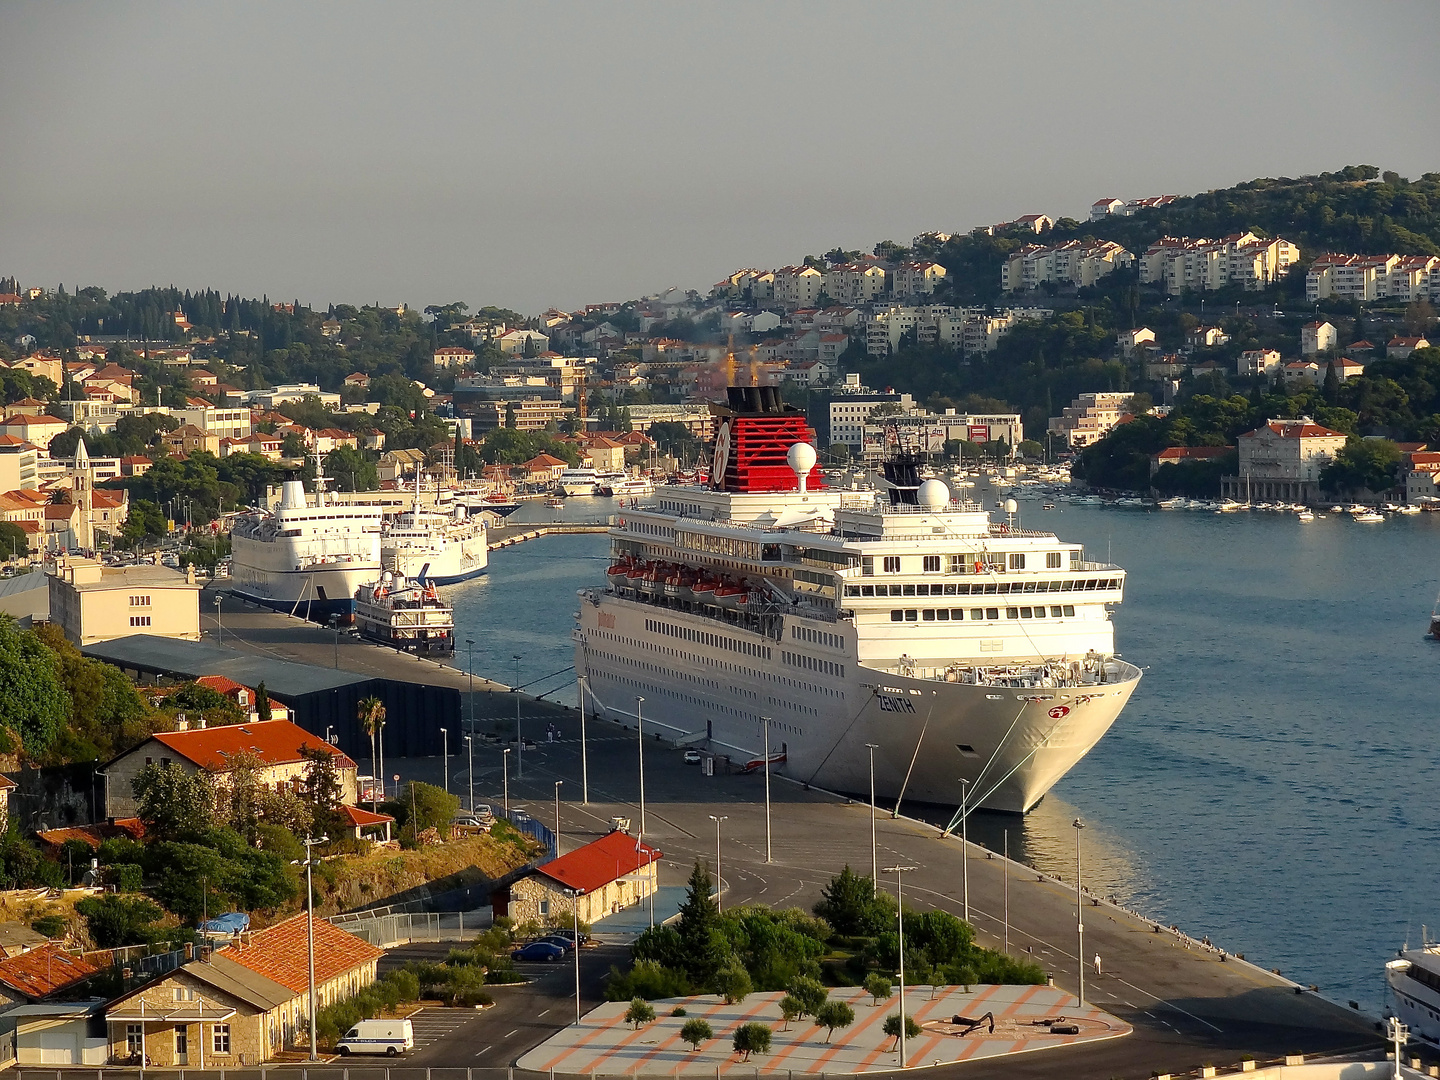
(378, 1037)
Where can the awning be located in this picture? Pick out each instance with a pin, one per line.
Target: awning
(189, 1010)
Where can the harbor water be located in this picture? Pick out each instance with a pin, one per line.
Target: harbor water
(1267, 786)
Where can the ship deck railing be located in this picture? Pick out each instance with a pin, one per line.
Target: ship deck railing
(1052, 675)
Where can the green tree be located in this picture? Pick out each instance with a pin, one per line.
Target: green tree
(262, 703)
(702, 947)
(639, 1012)
(13, 540)
(1362, 463)
(695, 1032)
(371, 713)
(173, 802)
(434, 808)
(834, 1014)
(144, 521)
(851, 905)
(790, 1009)
(733, 983)
(878, 986)
(114, 921)
(33, 703)
(892, 1027)
(351, 469)
(810, 993)
(752, 1038)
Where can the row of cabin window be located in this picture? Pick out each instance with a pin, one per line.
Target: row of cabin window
(978, 614)
(812, 663)
(970, 562)
(817, 637)
(990, 588)
(715, 641)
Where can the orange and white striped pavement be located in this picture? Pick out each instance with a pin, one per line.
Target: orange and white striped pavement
(604, 1044)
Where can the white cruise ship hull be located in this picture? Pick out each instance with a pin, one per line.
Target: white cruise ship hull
(266, 572)
(444, 562)
(1011, 744)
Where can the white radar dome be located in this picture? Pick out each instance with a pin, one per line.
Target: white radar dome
(801, 458)
(1011, 506)
(934, 495)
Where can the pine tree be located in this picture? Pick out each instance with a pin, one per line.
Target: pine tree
(1332, 384)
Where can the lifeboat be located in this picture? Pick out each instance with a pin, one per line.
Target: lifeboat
(615, 572)
(670, 587)
(649, 581)
(728, 596)
(704, 591)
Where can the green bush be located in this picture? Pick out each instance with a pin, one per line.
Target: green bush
(878, 986)
(52, 926)
(695, 1032)
(639, 1012)
(678, 1010)
(733, 984)
(126, 877)
(810, 994)
(647, 980)
(752, 1039)
(892, 1027)
(832, 1015)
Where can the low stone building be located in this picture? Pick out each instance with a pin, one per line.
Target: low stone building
(601, 878)
(240, 1005)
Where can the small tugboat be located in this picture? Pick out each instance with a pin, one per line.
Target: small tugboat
(405, 614)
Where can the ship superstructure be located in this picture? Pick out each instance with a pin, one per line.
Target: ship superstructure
(306, 557)
(961, 647)
(438, 547)
(1414, 981)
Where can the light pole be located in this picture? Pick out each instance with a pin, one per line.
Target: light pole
(640, 741)
(719, 888)
(330, 734)
(874, 851)
(557, 825)
(519, 744)
(445, 753)
(900, 912)
(470, 663)
(1079, 914)
(574, 895)
(505, 765)
(965, 843)
(470, 770)
(766, 721)
(310, 932)
(219, 630)
(380, 738)
(584, 752)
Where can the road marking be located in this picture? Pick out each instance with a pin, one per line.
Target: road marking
(482, 1053)
(546, 1011)
(509, 1033)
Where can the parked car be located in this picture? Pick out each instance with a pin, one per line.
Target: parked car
(555, 939)
(539, 950)
(568, 934)
(692, 757)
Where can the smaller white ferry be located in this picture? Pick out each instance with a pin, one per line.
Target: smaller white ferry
(578, 482)
(438, 547)
(405, 614)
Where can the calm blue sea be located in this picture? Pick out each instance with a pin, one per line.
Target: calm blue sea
(1268, 785)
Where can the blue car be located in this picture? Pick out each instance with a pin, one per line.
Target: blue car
(538, 950)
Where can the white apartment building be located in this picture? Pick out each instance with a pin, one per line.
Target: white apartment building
(850, 412)
(1258, 362)
(282, 395)
(928, 432)
(1100, 209)
(1374, 277)
(1074, 262)
(1180, 263)
(227, 423)
(915, 278)
(1089, 418)
(854, 283)
(1317, 337)
(971, 330)
(798, 286)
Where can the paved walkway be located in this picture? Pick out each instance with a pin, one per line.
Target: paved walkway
(603, 1043)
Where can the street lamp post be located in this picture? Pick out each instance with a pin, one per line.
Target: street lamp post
(470, 663)
(219, 630)
(557, 825)
(1079, 915)
(310, 933)
(719, 888)
(584, 751)
(574, 895)
(874, 851)
(519, 743)
(900, 911)
(505, 764)
(965, 843)
(445, 753)
(470, 769)
(766, 721)
(380, 739)
(640, 741)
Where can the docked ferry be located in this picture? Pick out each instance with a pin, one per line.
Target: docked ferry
(1414, 981)
(438, 547)
(306, 557)
(960, 647)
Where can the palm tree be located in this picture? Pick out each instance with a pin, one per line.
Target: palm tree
(372, 718)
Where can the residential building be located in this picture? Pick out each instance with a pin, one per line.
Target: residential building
(1373, 277)
(1282, 461)
(396, 465)
(1175, 455)
(18, 463)
(1130, 340)
(91, 603)
(1088, 418)
(187, 439)
(598, 452)
(915, 278)
(1302, 372)
(543, 469)
(854, 283)
(36, 430)
(245, 698)
(798, 286)
(233, 423)
(1398, 348)
(358, 378)
(697, 418)
(1100, 209)
(243, 1004)
(928, 432)
(1318, 337)
(281, 751)
(518, 342)
(602, 877)
(1075, 262)
(1419, 473)
(1258, 362)
(44, 972)
(850, 411)
(1158, 365)
(532, 413)
(1346, 368)
(1180, 263)
(265, 400)
(1206, 337)
(449, 356)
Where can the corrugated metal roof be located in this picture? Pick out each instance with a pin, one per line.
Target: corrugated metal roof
(191, 659)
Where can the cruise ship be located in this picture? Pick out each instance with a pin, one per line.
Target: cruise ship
(1414, 981)
(306, 558)
(960, 648)
(443, 548)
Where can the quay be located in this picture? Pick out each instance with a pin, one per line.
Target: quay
(1190, 1006)
(508, 535)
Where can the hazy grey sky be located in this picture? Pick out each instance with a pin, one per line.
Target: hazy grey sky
(531, 154)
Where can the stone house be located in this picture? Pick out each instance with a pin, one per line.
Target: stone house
(278, 745)
(601, 878)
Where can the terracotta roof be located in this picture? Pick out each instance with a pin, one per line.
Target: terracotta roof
(360, 818)
(274, 742)
(94, 835)
(280, 952)
(600, 862)
(49, 969)
(1176, 453)
(1297, 429)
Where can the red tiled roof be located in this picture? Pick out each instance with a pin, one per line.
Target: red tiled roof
(1176, 453)
(94, 835)
(280, 953)
(360, 818)
(1296, 429)
(274, 742)
(600, 862)
(49, 969)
